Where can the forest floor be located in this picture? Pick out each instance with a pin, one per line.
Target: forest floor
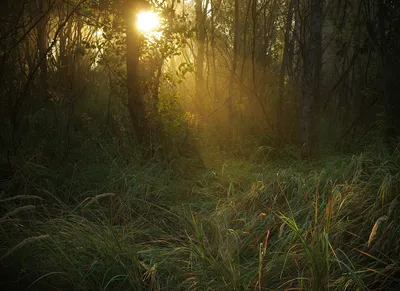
(267, 221)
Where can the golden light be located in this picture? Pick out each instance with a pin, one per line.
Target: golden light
(147, 22)
(99, 33)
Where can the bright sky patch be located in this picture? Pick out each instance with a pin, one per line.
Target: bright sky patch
(147, 21)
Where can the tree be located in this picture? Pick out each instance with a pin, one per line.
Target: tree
(136, 104)
(199, 62)
(282, 74)
(312, 61)
(43, 14)
(236, 29)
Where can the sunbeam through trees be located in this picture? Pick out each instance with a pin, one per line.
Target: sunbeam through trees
(199, 145)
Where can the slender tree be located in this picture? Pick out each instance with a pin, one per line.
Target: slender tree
(236, 29)
(282, 74)
(199, 62)
(136, 104)
(312, 55)
(43, 15)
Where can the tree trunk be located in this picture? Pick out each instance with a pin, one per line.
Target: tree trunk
(199, 73)
(234, 63)
(311, 78)
(253, 44)
(136, 105)
(41, 29)
(280, 120)
(244, 55)
(212, 40)
(389, 104)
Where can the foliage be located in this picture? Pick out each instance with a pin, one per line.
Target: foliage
(333, 224)
(223, 190)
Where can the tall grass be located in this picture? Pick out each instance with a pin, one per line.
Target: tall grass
(108, 223)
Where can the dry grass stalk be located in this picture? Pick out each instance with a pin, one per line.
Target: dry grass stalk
(262, 255)
(375, 229)
(23, 243)
(97, 197)
(21, 197)
(17, 211)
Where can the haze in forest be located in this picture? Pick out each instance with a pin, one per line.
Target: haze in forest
(199, 145)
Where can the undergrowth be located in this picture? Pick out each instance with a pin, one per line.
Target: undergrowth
(109, 221)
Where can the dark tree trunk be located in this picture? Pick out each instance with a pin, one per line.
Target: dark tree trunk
(244, 54)
(389, 65)
(280, 120)
(236, 29)
(312, 55)
(64, 58)
(212, 40)
(199, 73)
(41, 29)
(136, 104)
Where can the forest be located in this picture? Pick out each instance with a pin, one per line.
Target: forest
(199, 145)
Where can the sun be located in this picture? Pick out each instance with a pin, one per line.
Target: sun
(147, 21)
